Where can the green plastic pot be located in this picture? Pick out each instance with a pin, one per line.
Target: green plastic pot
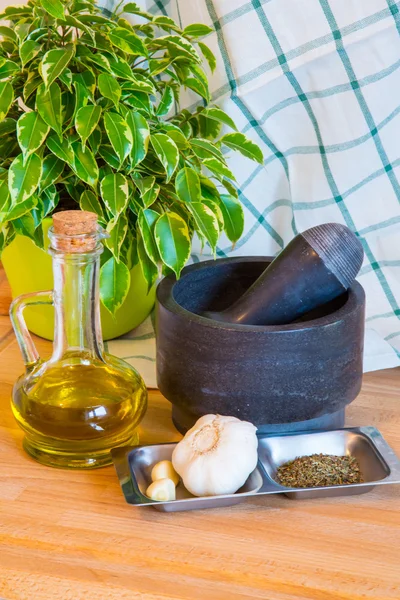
(29, 269)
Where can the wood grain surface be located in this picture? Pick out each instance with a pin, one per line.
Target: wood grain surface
(70, 536)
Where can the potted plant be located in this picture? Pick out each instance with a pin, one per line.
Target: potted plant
(90, 119)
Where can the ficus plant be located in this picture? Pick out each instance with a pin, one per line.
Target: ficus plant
(90, 119)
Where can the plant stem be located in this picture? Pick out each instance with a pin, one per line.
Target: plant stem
(114, 13)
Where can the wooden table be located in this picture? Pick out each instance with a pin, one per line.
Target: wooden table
(70, 536)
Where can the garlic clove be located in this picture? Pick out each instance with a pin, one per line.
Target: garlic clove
(164, 470)
(162, 490)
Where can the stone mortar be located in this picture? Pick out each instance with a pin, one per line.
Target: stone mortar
(281, 378)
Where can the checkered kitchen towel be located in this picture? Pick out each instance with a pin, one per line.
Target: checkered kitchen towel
(317, 84)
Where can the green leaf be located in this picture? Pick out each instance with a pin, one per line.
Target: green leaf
(166, 151)
(209, 128)
(14, 12)
(61, 149)
(146, 221)
(66, 78)
(107, 153)
(173, 241)
(148, 189)
(187, 185)
(128, 253)
(6, 98)
(68, 109)
(149, 269)
(5, 201)
(95, 140)
(233, 217)
(119, 134)
(140, 136)
(20, 209)
(115, 280)
(8, 69)
(217, 167)
(115, 193)
(138, 83)
(38, 34)
(88, 81)
(120, 68)
(166, 22)
(31, 133)
(25, 225)
(158, 65)
(117, 228)
(23, 179)
(49, 199)
(206, 222)
(55, 8)
(167, 102)
(150, 196)
(7, 126)
(28, 50)
(7, 32)
(99, 60)
(81, 97)
(134, 9)
(177, 47)
(90, 202)
(217, 211)
(54, 63)
(84, 164)
(230, 188)
(140, 101)
(51, 171)
(22, 30)
(144, 184)
(31, 84)
(96, 19)
(205, 149)
(197, 86)
(73, 22)
(127, 41)
(199, 74)
(86, 120)
(208, 188)
(241, 143)
(177, 136)
(221, 116)
(109, 88)
(95, 39)
(197, 30)
(209, 56)
(48, 103)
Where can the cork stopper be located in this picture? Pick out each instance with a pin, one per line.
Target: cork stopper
(78, 227)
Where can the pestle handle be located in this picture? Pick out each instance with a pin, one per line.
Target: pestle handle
(314, 268)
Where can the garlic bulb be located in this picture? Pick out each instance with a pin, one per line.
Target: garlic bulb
(216, 456)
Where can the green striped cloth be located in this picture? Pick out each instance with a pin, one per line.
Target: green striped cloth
(316, 83)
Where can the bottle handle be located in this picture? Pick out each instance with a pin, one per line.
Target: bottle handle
(28, 349)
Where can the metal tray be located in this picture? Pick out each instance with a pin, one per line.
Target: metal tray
(378, 463)
(133, 466)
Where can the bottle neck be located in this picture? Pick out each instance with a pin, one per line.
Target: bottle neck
(77, 305)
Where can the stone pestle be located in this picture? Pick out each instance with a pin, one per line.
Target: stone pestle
(317, 266)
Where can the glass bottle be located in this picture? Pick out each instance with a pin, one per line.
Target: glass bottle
(81, 403)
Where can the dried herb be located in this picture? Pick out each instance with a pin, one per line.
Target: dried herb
(319, 470)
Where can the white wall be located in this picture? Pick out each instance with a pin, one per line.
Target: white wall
(5, 3)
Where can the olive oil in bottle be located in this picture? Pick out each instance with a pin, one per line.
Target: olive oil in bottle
(81, 403)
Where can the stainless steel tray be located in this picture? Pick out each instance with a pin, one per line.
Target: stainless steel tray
(378, 463)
